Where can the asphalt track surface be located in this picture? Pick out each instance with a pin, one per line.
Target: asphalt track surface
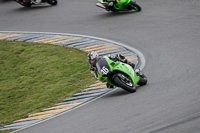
(167, 32)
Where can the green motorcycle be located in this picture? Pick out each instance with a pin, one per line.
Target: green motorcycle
(119, 74)
(118, 5)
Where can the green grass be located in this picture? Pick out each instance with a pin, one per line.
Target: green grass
(7, 131)
(36, 76)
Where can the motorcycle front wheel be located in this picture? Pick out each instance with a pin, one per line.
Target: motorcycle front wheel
(26, 5)
(122, 82)
(135, 6)
(52, 2)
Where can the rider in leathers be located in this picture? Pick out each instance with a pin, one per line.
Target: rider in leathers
(93, 57)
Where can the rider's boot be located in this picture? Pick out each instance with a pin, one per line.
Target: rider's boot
(111, 4)
(109, 85)
(106, 6)
(138, 72)
(36, 1)
(100, 5)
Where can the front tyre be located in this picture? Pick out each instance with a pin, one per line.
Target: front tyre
(122, 81)
(135, 6)
(27, 4)
(52, 2)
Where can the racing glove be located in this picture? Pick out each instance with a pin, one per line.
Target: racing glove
(121, 58)
(111, 2)
(93, 71)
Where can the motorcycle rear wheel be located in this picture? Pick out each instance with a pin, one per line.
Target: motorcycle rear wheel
(135, 6)
(121, 83)
(143, 80)
(52, 2)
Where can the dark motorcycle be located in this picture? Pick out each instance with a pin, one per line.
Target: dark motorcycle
(29, 3)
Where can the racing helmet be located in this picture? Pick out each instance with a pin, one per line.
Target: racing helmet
(93, 57)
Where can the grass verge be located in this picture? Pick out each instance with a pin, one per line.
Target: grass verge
(36, 76)
(7, 131)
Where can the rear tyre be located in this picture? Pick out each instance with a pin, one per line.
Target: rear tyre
(52, 2)
(143, 80)
(122, 82)
(135, 6)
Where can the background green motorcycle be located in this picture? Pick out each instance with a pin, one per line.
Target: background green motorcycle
(119, 74)
(119, 5)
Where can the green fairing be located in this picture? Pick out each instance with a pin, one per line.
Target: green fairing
(120, 67)
(120, 5)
